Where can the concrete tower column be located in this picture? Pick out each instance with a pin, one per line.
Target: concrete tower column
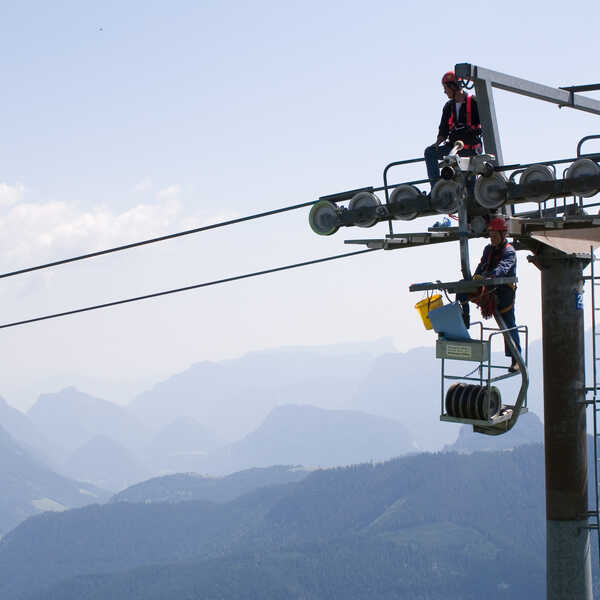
(568, 561)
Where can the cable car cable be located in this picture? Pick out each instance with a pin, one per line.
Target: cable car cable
(186, 288)
(177, 234)
(267, 213)
(161, 238)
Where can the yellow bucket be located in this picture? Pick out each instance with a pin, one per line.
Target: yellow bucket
(427, 304)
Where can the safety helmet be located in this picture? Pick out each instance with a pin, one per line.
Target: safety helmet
(497, 224)
(449, 78)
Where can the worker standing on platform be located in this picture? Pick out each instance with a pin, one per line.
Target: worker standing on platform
(500, 260)
(460, 121)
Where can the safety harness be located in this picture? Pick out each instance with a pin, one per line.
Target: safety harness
(476, 130)
(486, 299)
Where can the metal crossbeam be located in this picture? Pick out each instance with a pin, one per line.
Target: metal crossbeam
(461, 286)
(409, 240)
(531, 89)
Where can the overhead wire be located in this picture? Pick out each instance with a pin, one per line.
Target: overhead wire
(229, 222)
(177, 234)
(186, 288)
(161, 238)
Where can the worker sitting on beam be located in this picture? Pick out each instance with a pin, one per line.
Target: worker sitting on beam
(460, 121)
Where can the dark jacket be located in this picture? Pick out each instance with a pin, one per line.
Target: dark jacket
(461, 131)
(500, 262)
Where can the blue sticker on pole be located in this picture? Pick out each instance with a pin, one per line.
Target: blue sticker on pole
(578, 300)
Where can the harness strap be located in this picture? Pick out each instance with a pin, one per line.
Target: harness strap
(469, 113)
(469, 121)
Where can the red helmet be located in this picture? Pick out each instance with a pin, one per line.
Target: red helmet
(449, 78)
(497, 224)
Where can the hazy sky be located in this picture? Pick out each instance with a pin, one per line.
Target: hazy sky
(122, 121)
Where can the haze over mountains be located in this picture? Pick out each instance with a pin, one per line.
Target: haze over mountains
(233, 397)
(30, 487)
(106, 463)
(313, 436)
(320, 406)
(71, 418)
(22, 430)
(199, 498)
(183, 487)
(316, 407)
(424, 526)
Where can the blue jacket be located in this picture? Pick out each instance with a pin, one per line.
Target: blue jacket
(501, 262)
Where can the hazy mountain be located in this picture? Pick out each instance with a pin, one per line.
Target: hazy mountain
(71, 418)
(212, 403)
(424, 526)
(21, 428)
(232, 397)
(183, 487)
(528, 430)
(406, 387)
(105, 463)
(313, 437)
(177, 446)
(372, 348)
(30, 487)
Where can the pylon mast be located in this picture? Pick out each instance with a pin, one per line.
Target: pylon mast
(560, 238)
(568, 561)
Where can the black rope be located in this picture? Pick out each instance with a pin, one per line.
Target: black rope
(158, 239)
(187, 288)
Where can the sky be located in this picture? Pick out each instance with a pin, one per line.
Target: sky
(127, 120)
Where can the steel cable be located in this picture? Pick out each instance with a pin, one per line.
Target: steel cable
(186, 288)
(161, 238)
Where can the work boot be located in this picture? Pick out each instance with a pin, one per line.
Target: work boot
(514, 367)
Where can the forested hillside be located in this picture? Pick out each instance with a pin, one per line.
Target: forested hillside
(182, 487)
(426, 526)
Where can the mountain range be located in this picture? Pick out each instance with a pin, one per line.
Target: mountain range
(435, 526)
(71, 418)
(30, 487)
(313, 437)
(528, 430)
(233, 397)
(183, 487)
(321, 406)
(105, 462)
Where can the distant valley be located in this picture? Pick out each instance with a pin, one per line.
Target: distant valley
(423, 526)
(323, 492)
(314, 407)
